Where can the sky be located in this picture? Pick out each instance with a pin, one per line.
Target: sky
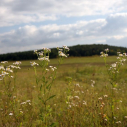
(34, 24)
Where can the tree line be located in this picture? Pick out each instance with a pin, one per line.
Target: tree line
(77, 50)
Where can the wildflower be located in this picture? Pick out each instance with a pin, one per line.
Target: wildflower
(105, 95)
(76, 97)
(35, 50)
(101, 53)
(2, 68)
(84, 103)
(102, 105)
(27, 100)
(46, 50)
(69, 106)
(93, 82)
(106, 120)
(44, 59)
(114, 65)
(17, 63)
(125, 117)
(9, 70)
(34, 64)
(120, 54)
(3, 62)
(107, 50)
(118, 122)
(77, 85)
(52, 69)
(104, 55)
(100, 98)
(47, 69)
(62, 54)
(65, 47)
(10, 114)
(55, 68)
(41, 53)
(14, 97)
(123, 60)
(4, 73)
(23, 103)
(21, 112)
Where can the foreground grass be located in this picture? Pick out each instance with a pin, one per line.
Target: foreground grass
(79, 102)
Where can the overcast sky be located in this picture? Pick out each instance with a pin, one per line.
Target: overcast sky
(34, 24)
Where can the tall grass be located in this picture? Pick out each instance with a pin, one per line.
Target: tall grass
(79, 93)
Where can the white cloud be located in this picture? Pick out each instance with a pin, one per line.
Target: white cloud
(101, 30)
(18, 11)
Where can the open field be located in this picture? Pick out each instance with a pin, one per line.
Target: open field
(81, 95)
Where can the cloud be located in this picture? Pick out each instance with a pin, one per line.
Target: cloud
(117, 42)
(29, 35)
(14, 12)
(112, 30)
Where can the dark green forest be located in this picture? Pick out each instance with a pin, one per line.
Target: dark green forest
(77, 50)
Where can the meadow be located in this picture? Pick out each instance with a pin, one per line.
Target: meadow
(69, 92)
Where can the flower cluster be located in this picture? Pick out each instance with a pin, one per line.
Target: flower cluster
(8, 69)
(114, 68)
(104, 54)
(42, 55)
(62, 52)
(34, 64)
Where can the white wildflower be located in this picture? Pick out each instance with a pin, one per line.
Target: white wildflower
(120, 54)
(107, 50)
(10, 114)
(44, 59)
(125, 117)
(77, 84)
(69, 106)
(47, 69)
(52, 69)
(105, 95)
(84, 103)
(55, 68)
(23, 103)
(118, 122)
(9, 70)
(100, 98)
(21, 112)
(2, 68)
(34, 64)
(28, 101)
(3, 62)
(17, 63)
(76, 97)
(114, 65)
